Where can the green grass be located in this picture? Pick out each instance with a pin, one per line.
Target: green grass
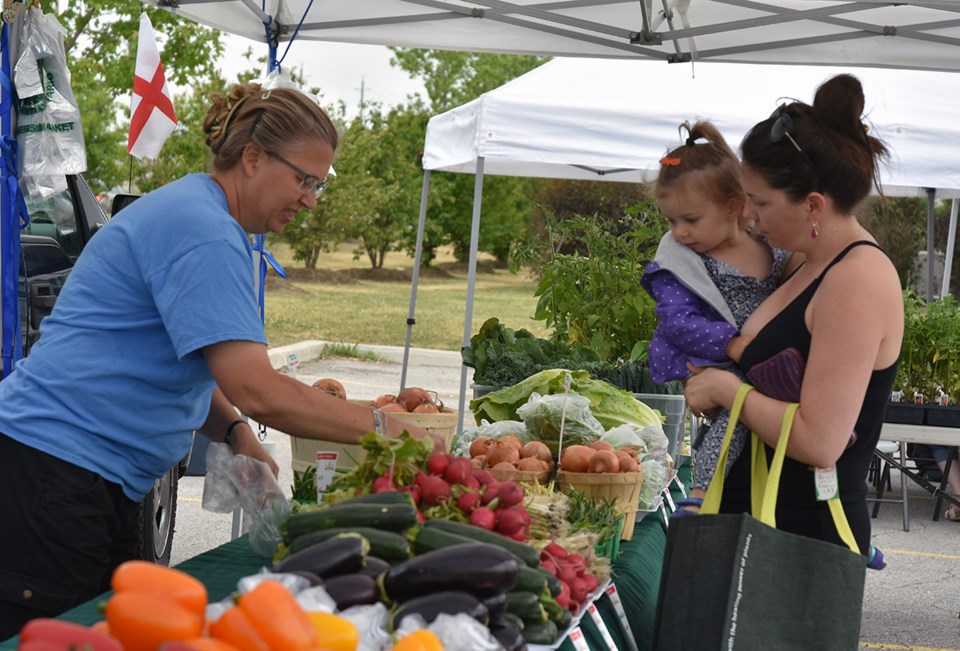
(375, 312)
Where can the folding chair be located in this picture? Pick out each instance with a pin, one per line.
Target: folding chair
(881, 474)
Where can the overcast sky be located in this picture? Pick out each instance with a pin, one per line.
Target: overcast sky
(339, 70)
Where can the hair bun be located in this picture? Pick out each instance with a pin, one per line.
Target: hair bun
(839, 103)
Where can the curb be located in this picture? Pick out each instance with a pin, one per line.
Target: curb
(313, 349)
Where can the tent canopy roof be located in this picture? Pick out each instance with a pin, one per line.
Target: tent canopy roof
(613, 119)
(923, 35)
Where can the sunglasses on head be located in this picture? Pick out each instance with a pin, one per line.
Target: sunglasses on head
(782, 127)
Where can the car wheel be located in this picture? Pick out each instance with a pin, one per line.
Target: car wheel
(158, 512)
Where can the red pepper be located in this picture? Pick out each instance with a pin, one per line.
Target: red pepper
(64, 635)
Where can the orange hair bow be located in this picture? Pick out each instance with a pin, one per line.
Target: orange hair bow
(671, 162)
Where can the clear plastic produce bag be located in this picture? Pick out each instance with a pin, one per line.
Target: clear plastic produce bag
(49, 133)
(236, 481)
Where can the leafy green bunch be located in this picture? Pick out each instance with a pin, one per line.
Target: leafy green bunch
(930, 361)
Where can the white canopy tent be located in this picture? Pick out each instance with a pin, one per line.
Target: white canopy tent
(922, 34)
(612, 120)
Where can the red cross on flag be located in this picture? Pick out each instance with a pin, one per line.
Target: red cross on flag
(152, 117)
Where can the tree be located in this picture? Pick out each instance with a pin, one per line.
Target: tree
(101, 47)
(451, 79)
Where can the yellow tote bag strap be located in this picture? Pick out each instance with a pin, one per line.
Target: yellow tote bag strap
(769, 503)
(843, 527)
(758, 472)
(711, 501)
(768, 507)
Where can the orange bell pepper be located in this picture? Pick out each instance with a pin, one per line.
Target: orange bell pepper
(141, 622)
(65, 635)
(235, 628)
(278, 618)
(161, 581)
(335, 633)
(209, 644)
(422, 640)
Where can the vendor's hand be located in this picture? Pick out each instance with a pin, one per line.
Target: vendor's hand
(250, 446)
(709, 388)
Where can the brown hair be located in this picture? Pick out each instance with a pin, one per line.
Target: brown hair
(717, 165)
(276, 120)
(843, 157)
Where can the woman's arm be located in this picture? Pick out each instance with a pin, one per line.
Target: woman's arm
(243, 440)
(244, 374)
(855, 329)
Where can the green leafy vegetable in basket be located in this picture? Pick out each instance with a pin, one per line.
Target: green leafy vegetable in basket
(304, 488)
(608, 404)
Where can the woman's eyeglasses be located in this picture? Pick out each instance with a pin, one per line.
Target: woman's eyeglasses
(308, 182)
(781, 128)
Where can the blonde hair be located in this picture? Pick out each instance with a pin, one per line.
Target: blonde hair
(275, 120)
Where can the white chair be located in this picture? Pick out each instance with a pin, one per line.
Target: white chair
(885, 452)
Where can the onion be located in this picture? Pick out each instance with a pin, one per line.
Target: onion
(512, 441)
(412, 397)
(331, 386)
(392, 408)
(576, 458)
(480, 445)
(500, 452)
(426, 408)
(385, 399)
(532, 464)
(536, 450)
(603, 461)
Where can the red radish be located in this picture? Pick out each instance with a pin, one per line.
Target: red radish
(458, 470)
(419, 479)
(384, 485)
(468, 502)
(472, 483)
(414, 493)
(520, 535)
(510, 494)
(574, 606)
(524, 514)
(565, 572)
(485, 477)
(421, 518)
(509, 521)
(554, 551)
(491, 493)
(563, 597)
(437, 463)
(484, 518)
(549, 566)
(578, 589)
(579, 564)
(434, 491)
(591, 582)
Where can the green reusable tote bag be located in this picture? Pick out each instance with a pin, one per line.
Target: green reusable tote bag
(735, 582)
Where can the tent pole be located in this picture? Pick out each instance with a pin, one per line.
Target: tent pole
(951, 245)
(931, 254)
(471, 284)
(415, 277)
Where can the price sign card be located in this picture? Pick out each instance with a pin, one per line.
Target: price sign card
(326, 469)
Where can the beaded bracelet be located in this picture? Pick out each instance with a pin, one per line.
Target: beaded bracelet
(378, 424)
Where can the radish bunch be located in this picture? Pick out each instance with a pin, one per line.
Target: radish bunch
(452, 488)
(576, 583)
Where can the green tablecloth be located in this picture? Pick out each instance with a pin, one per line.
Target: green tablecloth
(636, 574)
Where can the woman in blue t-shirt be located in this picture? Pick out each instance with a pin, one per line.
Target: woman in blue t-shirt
(157, 333)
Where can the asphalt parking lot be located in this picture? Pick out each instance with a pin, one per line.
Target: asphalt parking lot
(912, 605)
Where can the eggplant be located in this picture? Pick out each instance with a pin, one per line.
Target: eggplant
(373, 566)
(496, 604)
(508, 631)
(481, 569)
(451, 602)
(309, 576)
(352, 590)
(342, 554)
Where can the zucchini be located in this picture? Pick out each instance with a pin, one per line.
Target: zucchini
(392, 497)
(553, 583)
(531, 580)
(555, 612)
(451, 602)
(341, 554)
(388, 545)
(545, 633)
(393, 517)
(497, 604)
(352, 590)
(478, 568)
(430, 539)
(525, 553)
(527, 607)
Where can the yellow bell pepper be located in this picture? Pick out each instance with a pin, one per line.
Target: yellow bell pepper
(422, 640)
(335, 633)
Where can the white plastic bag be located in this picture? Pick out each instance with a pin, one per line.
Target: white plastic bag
(49, 133)
(236, 481)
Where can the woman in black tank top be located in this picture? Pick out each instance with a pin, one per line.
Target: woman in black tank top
(805, 169)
